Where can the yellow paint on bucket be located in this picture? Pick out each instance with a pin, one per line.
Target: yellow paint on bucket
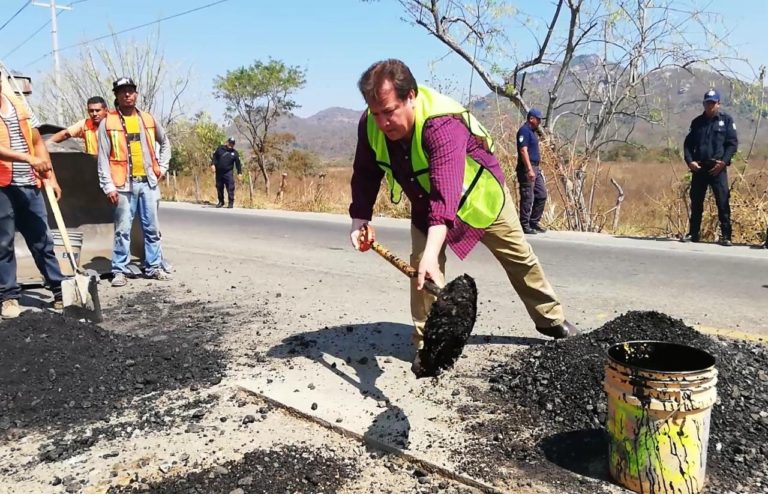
(660, 398)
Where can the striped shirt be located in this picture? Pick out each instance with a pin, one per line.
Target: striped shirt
(22, 172)
(447, 142)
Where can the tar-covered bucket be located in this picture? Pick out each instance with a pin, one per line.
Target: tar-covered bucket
(660, 398)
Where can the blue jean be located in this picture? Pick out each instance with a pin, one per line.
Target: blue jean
(23, 209)
(143, 200)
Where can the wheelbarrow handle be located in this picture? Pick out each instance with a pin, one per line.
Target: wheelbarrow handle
(367, 241)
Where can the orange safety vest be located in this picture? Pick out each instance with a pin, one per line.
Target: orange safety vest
(91, 137)
(6, 167)
(118, 153)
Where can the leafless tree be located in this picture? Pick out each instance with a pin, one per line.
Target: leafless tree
(92, 71)
(623, 48)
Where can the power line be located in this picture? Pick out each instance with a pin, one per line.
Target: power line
(26, 4)
(26, 40)
(179, 14)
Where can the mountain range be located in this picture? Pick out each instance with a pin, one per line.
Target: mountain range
(676, 94)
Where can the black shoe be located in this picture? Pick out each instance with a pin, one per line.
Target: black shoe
(529, 231)
(538, 229)
(690, 238)
(725, 242)
(220, 205)
(565, 330)
(231, 205)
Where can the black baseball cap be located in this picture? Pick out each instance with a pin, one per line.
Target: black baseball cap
(122, 82)
(231, 139)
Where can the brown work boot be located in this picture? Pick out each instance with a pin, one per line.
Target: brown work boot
(564, 330)
(10, 309)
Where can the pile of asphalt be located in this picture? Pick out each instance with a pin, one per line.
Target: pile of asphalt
(291, 469)
(58, 372)
(547, 405)
(448, 326)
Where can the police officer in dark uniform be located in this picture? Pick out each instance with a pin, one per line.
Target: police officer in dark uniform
(223, 161)
(533, 191)
(709, 146)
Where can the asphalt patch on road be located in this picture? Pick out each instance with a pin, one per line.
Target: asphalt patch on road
(150, 418)
(58, 372)
(448, 326)
(291, 469)
(547, 409)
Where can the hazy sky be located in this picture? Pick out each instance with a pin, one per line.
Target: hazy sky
(334, 40)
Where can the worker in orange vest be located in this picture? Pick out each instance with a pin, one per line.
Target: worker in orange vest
(86, 128)
(129, 173)
(24, 163)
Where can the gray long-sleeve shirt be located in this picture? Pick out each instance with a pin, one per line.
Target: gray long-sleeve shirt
(105, 144)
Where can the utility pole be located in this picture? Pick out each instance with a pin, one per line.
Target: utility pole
(56, 65)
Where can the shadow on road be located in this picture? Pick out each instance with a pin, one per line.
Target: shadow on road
(651, 239)
(584, 452)
(504, 340)
(367, 349)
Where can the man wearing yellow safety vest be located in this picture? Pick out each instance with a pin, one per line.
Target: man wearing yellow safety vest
(24, 163)
(129, 172)
(86, 128)
(428, 146)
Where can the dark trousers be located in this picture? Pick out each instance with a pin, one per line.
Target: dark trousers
(700, 181)
(533, 196)
(225, 179)
(23, 209)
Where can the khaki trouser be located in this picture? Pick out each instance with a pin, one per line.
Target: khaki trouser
(506, 241)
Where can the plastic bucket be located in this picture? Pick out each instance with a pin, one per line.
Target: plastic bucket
(660, 398)
(76, 240)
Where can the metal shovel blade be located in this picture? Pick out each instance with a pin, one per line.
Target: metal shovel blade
(80, 297)
(448, 326)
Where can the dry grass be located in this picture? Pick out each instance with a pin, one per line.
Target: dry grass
(655, 204)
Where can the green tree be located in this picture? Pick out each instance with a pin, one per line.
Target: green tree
(194, 142)
(256, 96)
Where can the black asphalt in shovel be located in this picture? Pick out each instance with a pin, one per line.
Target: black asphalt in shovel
(450, 319)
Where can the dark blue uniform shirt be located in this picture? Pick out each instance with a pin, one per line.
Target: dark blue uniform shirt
(526, 137)
(225, 159)
(711, 139)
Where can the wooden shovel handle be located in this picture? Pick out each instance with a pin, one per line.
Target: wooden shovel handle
(60, 224)
(404, 267)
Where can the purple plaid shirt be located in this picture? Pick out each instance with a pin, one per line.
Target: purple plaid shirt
(447, 142)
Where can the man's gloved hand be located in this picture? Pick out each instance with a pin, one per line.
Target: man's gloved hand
(355, 231)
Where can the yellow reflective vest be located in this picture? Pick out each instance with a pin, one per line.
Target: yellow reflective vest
(482, 194)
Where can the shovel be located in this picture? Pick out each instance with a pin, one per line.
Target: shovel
(450, 319)
(78, 294)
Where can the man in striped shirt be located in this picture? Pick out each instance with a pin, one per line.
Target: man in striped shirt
(448, 144)
(24, 162)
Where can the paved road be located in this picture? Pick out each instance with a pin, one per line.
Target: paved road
(597, 276)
